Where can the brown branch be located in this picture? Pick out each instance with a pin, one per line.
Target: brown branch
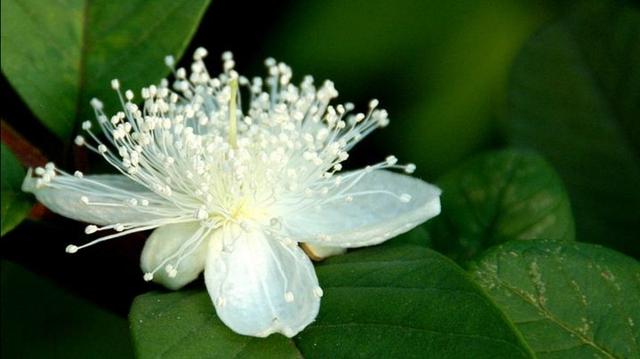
(26, 153)
(29, 156)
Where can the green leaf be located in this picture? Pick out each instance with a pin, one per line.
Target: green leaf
(60, 54)
(569, 300)
(499, 196)
(401, 300)
(40, 320)
(15, 204)
(417, 237)
(439, 78)
(404, 302)
(184, 325)
(575, 97)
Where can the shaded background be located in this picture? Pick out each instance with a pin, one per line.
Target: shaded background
(439, 68)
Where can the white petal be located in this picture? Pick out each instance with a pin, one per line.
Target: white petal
(109, 198)
(260, 285)
(319, 252)
(168, 241)
(370, 218)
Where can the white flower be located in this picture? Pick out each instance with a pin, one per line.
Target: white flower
(232, 187)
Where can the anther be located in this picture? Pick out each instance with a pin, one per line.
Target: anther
(84, 199)
(115, 84)
(391, 160)
(86, 125)
(288, 297)
(410, 168)
(90, 229)
(200, 53)
(96, 104)
(71, 248)
(78, 174)
(148, 277)
(169, 61)
(318, 292)
(270, 61)
(79, 140)
(405, 197)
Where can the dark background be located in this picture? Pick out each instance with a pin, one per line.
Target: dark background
(439, 69)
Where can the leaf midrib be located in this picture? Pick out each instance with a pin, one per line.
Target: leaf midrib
(549, 316)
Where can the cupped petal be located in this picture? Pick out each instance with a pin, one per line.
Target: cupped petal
(180, 248)
(259, 284)
(96, 199)
(381, 205)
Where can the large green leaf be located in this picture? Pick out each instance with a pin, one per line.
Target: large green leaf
(417, 237)
(569, 300)
(500, 196)
(397, 301)
(184, 325)
(40, 320)
(439, 67)
(575, 97)
(404, 302)
(60, 54)
(15, 205)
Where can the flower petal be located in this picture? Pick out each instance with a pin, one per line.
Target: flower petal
(379, 210)
(108, 198)
(319, 252)
(163, 248)
(259, 284)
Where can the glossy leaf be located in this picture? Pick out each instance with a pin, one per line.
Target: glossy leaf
(184, 325)
(15, 204)
(60, 54)
(569, 300)
(500, 196)
(417, 237)
(575, 97)
(404, 302)
(40, 320)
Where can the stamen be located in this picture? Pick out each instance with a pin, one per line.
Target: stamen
(233, 126)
